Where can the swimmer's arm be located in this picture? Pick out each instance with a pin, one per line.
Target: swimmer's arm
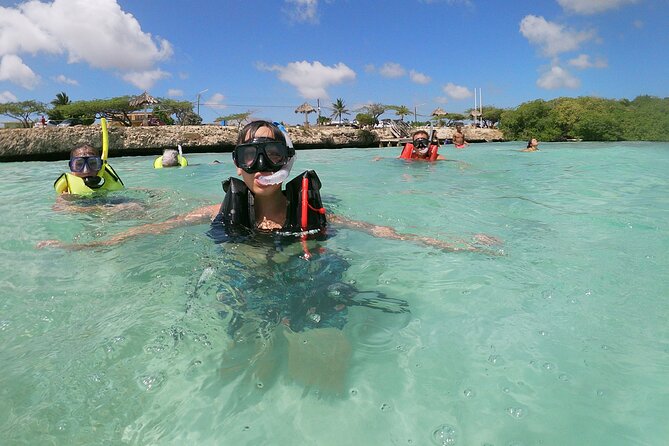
(390, 233)
(198, 216)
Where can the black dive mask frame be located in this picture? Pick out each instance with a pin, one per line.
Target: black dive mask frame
(262, 155)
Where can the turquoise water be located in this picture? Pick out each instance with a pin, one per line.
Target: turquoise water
(561, 340)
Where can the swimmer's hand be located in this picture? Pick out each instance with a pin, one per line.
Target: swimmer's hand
(390, 233)
(49, 244)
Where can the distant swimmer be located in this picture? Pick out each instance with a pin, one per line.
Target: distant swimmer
(532, 146)
(459, 138)
(170, 158)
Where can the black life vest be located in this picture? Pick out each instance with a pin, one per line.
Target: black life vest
(304, 213)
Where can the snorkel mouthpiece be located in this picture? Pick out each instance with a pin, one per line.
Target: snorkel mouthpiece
(279, 176)
(94, 182)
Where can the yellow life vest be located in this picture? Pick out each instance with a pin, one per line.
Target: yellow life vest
(158, 163)
(71, 184)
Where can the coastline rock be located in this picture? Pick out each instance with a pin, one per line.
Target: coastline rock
(55, 143)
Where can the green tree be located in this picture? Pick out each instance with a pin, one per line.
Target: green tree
(365, 120)
(238, 118)
(491, 115)
(22, 111)
(61, 99)
(181, 110)
(530, 120)
(339, 109)
(374, 110)
(400, 110)
(84, 112)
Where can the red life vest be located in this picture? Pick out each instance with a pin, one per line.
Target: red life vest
(409, 154)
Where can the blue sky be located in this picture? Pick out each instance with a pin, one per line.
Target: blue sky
(271, 56)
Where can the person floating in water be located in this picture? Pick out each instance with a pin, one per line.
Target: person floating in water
(532, 146)
(422, 148)
(459, 138)
(89, 172)
(171, 158)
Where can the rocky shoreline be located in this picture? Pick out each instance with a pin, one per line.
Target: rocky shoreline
(55, 143)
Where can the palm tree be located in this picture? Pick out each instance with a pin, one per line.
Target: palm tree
(339, 109)
(402, 111)
(61, 99)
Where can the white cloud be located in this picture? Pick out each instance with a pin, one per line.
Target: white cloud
(583, 61)
(62, 79)
(174, 93)
(144, 79)
(370, 68)
(419, 78)
(557, 77)
(216, 101)
(302, 11)
(592, 6)
(13, 69)
(98, 33)
(311, 79)
(456, 91)
(552, 38)
(392, 70)
(7, 96)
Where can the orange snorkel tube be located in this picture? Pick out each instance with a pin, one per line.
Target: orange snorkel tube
(304, 215)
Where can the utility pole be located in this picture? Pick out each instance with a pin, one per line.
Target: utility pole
(198, 100)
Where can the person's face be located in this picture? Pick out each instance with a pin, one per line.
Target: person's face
(86, 159)
(251, 179)
(534, 142)
(421, 143)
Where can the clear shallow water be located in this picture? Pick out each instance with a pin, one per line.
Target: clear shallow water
(563, 340)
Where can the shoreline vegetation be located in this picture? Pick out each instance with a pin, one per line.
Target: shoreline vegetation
(588, 118)
(55, 143)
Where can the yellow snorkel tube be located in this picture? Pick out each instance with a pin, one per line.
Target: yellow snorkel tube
(105, 139)
(110, 181)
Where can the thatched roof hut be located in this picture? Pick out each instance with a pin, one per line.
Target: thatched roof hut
(305, 108)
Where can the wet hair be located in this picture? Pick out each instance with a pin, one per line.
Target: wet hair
(84, 150)
(251, 128)
(170, 158)
(420, 132)
(529, 143)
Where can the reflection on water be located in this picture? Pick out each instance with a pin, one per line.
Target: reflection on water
(284, 315)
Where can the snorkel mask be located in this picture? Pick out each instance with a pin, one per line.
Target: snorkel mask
(421, 146)
(90, 163)
(266, 155)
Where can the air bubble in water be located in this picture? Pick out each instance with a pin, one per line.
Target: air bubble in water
(444, 435)
(516, 412)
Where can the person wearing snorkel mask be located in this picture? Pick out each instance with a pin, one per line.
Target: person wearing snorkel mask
(264, 156)
(88, 173)
(421, 148)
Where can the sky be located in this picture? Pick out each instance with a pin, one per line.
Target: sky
(268, 57)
